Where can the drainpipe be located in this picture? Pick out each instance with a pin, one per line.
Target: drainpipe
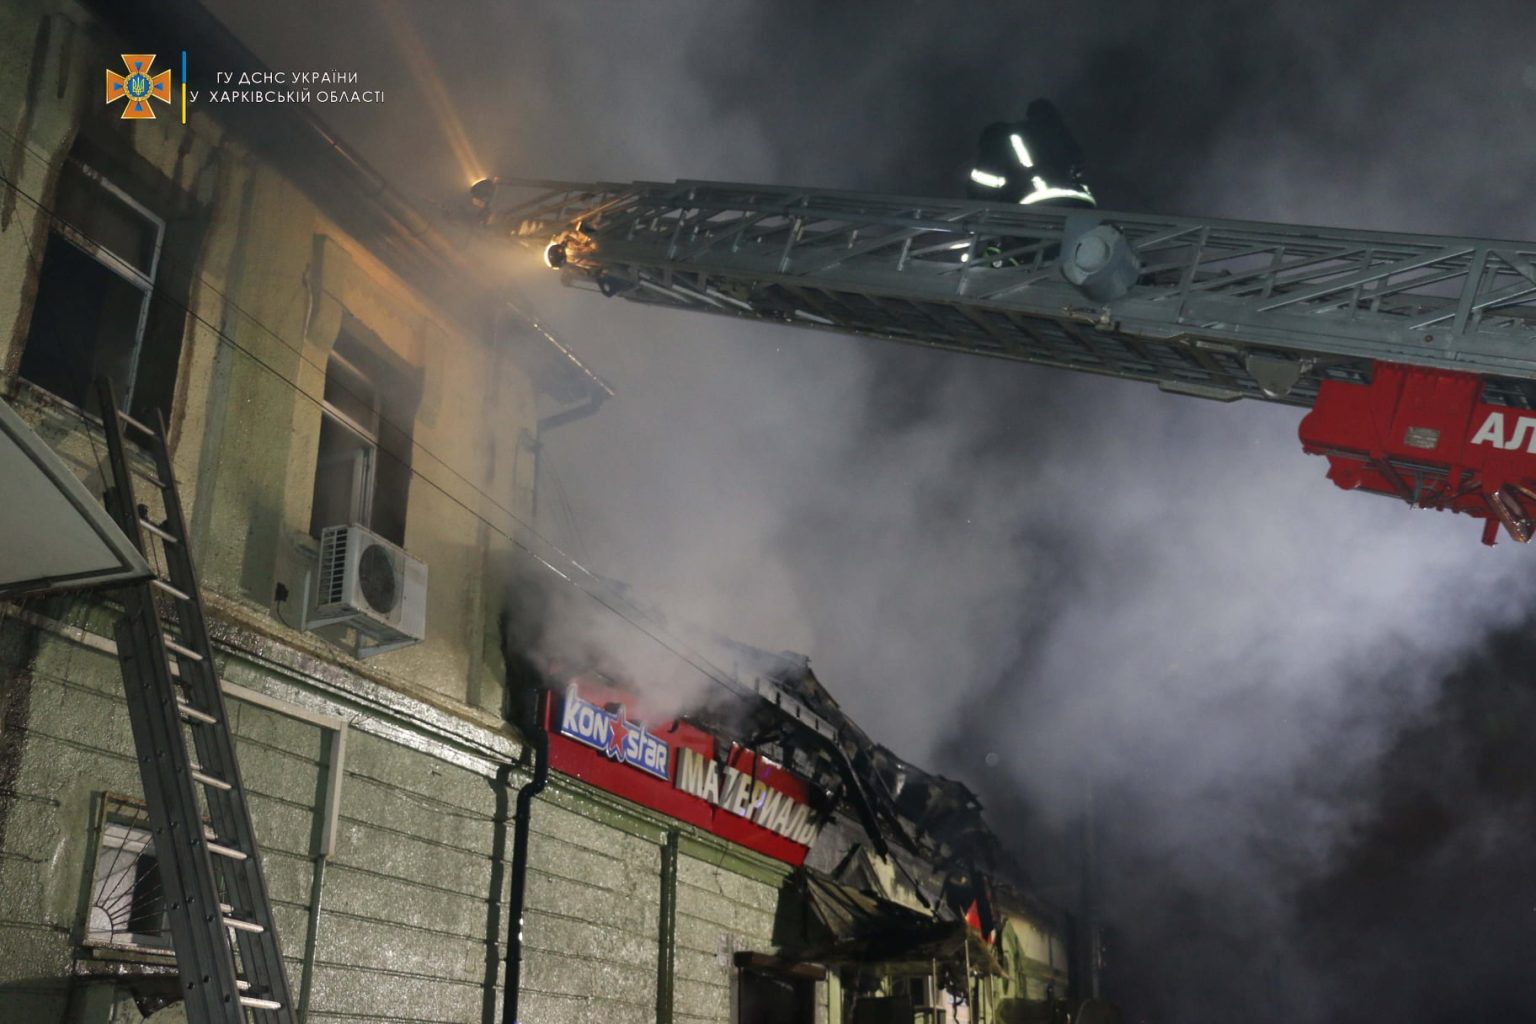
(311, 941)
(535, 440)
(593, 403)
(666, 931)
(520, 832)
(325, 849)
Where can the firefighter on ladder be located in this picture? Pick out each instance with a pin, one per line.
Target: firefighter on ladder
(1033, 161)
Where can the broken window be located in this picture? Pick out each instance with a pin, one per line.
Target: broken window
(127, 903)
(363, 471)
(93, 291)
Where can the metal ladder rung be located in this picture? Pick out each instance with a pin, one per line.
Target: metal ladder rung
(157, 582)
(193, 714)
(185, 652)
(135, 424)
(159, 531)
(260, 1004)
(210, 780)
(225, 851)
(149, 476)
(240, 923)
(176, 676)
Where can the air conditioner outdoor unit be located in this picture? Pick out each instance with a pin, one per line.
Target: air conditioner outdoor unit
(371, 585)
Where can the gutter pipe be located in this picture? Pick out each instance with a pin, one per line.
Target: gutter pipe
(520, 833)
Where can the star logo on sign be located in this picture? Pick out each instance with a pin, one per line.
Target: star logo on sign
(616, 737)
(138, 87)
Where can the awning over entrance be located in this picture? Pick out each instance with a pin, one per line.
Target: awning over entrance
(857, 928)
(54, 535)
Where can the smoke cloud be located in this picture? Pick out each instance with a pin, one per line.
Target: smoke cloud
(1086, 578)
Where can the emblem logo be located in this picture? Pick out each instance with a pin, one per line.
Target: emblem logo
(139, 86)
(612, 733)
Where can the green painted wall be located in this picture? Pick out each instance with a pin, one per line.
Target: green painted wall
(414, 901)
(71, 745)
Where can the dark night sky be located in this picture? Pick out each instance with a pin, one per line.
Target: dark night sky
(1307, 711)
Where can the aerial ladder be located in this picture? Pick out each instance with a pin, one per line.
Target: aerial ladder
(1416, 354)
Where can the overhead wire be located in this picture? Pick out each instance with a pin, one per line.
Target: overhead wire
(682, 651)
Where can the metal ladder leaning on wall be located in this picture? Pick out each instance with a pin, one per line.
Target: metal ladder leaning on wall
(216, 896)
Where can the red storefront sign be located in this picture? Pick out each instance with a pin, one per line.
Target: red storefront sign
(673, 768)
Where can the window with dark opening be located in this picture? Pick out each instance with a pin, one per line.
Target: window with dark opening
(766, 997)
(363, 472)
(127, 903)
(94, 288)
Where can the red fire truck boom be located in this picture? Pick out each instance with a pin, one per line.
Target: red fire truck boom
(1427, 437)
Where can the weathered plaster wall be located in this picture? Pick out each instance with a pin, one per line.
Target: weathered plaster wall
(273, 279)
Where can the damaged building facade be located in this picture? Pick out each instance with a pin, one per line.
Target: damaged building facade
(322, 357)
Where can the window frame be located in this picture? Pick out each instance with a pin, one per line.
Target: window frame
(114, 834)
(98, 251)
(376, 411)
(364, 476)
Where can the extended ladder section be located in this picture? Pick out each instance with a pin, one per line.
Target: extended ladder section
(1417, 353)
(217, 905)
(1213, 308)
